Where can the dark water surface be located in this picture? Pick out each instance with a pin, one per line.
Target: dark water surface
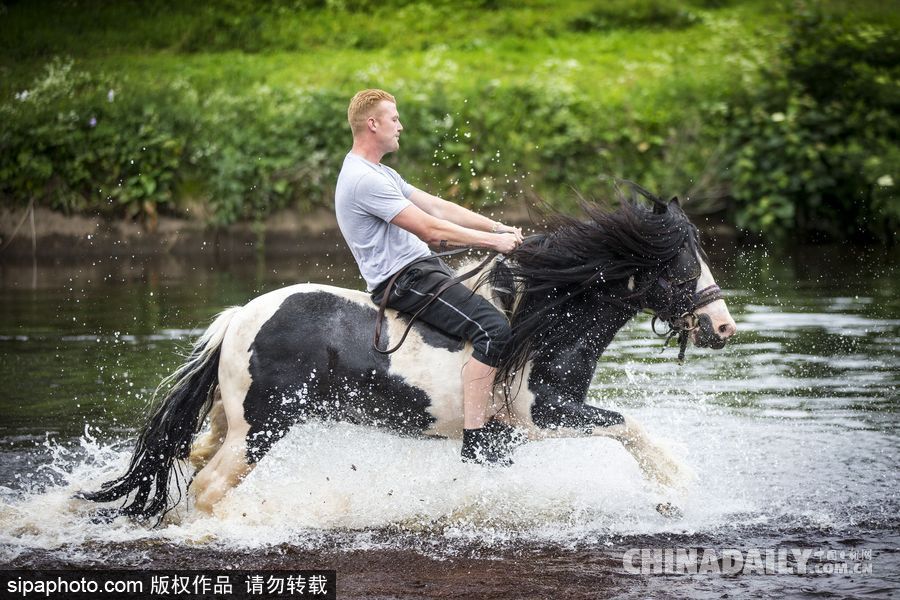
(792, 432)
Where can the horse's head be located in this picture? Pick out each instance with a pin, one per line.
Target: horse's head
(615, 261)
(685, 295)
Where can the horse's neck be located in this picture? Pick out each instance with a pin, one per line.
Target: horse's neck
(564, 369)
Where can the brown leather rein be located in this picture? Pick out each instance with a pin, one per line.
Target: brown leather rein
(379, 319)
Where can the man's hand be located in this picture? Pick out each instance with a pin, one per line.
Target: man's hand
(506, 242)
(501, 228)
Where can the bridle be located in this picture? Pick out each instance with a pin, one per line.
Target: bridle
(681, 322)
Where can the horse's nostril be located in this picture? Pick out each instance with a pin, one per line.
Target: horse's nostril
(726, 330)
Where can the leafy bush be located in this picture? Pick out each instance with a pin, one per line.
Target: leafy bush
(271, 149)
(74, 144)
(78, 144)
(815, 147)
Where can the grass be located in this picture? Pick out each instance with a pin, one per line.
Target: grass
(235, 44)
(338, 49)
(643, 70)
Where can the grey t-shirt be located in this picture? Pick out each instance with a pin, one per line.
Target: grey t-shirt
(367, 197)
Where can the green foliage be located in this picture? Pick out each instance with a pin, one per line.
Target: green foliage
(631, 14)
(238, 107)
(268, 150)
(74, 144)
(100, 28)
(815, 145)
(713, 4)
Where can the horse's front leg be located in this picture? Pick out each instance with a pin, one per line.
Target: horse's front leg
(655, 461)
(577, 419)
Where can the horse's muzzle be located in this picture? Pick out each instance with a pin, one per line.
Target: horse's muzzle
(705, 335)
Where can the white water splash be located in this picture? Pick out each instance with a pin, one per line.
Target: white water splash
(341, 477)
(344, 478)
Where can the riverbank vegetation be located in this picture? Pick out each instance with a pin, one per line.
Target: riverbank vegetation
(781, 119)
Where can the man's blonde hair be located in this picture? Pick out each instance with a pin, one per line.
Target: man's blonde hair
(361, 106)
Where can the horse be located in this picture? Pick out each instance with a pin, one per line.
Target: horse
(304, 352)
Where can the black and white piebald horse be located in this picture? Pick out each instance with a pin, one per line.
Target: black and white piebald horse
(304, 352)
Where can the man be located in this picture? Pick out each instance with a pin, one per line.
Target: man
(389, 224)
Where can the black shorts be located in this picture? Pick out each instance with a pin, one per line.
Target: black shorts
(457, 311)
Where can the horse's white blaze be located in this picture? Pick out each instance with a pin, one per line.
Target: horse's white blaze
(717, 311)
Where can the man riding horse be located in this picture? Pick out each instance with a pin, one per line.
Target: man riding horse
(389, 225)
(298, 353)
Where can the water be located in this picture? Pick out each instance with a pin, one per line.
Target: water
(791, 432)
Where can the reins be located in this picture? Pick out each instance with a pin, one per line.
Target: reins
(379, 319)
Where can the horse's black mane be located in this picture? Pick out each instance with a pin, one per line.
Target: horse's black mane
(552, 271)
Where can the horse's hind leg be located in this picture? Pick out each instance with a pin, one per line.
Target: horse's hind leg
(655, 461)
(207, 444)
(228, 465)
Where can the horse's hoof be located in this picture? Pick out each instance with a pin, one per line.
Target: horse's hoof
(669, 510)
(105, 516)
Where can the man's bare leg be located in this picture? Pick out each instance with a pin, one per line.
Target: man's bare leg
(478, 384)
(482, 442)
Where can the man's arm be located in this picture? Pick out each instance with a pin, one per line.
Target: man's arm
(448, 211)
(433, 230)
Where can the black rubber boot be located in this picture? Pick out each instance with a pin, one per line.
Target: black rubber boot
(489, 445)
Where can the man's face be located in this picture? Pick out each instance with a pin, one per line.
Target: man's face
(387, 126)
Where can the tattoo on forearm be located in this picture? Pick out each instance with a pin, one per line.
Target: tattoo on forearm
(444, 245)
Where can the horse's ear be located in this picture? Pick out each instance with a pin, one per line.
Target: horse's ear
(675, 201)
(660, 208)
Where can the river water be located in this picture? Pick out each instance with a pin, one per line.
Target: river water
(791, 432)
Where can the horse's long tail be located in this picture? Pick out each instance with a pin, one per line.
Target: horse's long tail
(168, 434)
